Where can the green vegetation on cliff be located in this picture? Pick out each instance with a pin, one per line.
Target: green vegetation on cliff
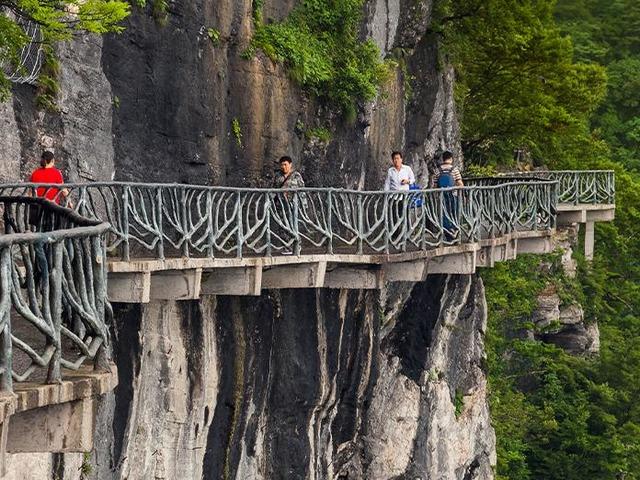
(318, 43)
(532, 77)
(57, 21)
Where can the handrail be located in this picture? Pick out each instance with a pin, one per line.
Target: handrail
(575, 187)
(52, 291)
(187, 220)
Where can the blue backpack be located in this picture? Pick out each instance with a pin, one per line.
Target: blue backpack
(416, 198)
(446, 180)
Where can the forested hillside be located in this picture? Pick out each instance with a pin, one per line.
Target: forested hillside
(559, 83)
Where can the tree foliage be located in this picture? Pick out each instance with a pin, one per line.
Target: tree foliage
(58, 21)
(608, 33)
(518, 86)
(532, 75)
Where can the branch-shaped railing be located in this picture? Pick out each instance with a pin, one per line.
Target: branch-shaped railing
(574, 186)
(182, 220)
(52, 291)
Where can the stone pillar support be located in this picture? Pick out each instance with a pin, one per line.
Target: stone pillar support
(589, 240)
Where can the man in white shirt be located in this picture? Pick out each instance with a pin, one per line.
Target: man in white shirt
(400, 176)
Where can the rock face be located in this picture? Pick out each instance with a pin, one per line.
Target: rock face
(305, 384)
(178, 96)
(559, 323)
(302, 384)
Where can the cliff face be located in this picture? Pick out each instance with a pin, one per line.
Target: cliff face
(294, 384)
(306, 384)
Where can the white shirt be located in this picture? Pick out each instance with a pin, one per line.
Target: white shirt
(395, 177)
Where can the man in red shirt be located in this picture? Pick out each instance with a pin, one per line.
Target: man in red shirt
(48, 173)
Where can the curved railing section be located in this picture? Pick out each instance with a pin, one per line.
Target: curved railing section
(52, 291)
(575, 187)
(162, 220)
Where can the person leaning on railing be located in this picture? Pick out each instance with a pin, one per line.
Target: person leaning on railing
(49, 174)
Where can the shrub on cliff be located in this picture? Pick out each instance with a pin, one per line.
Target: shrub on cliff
(319, 45)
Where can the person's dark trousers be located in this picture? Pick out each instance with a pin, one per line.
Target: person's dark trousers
(450, 216)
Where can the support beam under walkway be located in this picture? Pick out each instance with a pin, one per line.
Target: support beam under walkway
(141, 281)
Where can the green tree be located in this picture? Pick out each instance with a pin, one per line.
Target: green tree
(518, 86)
(57, 21)
(608, 33)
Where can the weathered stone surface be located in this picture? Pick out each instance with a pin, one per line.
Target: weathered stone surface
(292, 384)
(548, 310)
(85, 105)
(564, 325)
(10, 153)
(565, 239)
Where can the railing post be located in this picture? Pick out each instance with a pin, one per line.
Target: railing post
(125, 224)
(330, 220)
(492, 204)
(554, 196)
(55, 300)
(267, 207)
(423, 223)
(99, 266)
(6, 363)
(405, 220)
(612, 190)
(160, 227)
(185, 225)
(239, 230)
(82, 202)
(296, 223)
(442, 214)
(387, 230)
(360, 224)
(459, 201)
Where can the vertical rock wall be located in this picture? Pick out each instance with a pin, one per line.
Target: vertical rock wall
(294, 384)
(306, 384)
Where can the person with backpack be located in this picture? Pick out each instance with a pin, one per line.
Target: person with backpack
(448, 176)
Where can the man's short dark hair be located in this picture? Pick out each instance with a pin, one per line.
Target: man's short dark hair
(285, 158)
(446, 156)
(47, 156)
(393, 154)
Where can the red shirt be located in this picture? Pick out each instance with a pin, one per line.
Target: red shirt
(47, 175)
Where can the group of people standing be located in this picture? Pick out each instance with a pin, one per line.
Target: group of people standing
(400, 177)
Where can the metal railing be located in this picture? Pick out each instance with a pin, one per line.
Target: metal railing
(52, 291)
(162, 220)
(575, 187)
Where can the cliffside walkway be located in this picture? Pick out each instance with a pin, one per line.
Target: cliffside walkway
(54, 357)
(171, 241)
(134, 243)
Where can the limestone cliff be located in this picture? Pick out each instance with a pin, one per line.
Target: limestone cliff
(294, 384)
